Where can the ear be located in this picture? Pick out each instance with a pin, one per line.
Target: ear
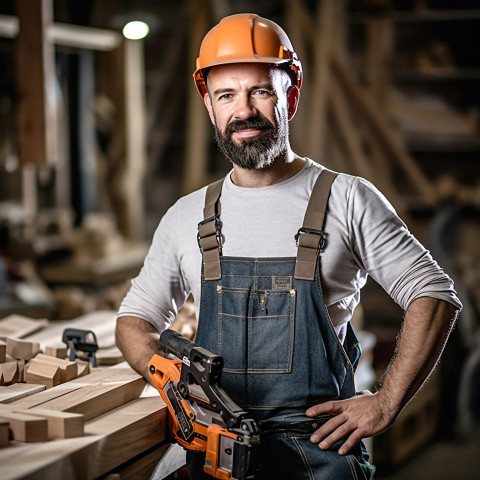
(293, 96)
(208, 103)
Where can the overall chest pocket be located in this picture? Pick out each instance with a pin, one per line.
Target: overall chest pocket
(256, 329)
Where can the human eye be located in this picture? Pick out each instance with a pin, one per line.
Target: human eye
(224, 97)
(262, 92)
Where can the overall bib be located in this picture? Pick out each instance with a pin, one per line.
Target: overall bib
(268, 319)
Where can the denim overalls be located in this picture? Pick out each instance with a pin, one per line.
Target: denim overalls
(268, 319)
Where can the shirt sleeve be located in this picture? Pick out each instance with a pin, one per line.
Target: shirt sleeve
(159, 290)
(384, 248)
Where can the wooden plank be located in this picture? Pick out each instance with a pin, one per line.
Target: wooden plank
(22, 349)
(96, 394)
(25, 428)
(102, 323)
(60, 424)
(94, 400)
(68, 369)
(18, 326)
(109, 441)
(45, 395)
(36, 83)
(139, 467)
(18, 391)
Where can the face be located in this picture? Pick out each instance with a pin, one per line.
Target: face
(250, 106)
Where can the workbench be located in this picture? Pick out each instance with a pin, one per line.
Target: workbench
(125, 418)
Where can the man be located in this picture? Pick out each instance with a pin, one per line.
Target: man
(279, 313)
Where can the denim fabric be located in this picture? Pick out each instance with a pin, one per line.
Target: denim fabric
(281, 356)
(280, 348)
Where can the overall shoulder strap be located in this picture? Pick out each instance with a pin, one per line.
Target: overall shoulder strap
(310, 238)
(209, 235)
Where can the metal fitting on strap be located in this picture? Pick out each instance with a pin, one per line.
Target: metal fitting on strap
(217, 232)
(320, 233)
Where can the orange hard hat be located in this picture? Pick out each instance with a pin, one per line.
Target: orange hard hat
(246, 38)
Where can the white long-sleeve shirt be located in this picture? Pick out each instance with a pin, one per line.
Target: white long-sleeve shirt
(364, 237)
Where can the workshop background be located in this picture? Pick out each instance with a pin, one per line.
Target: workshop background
(100, 134)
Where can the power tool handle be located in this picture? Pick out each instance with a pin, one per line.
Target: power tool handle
(172, 342)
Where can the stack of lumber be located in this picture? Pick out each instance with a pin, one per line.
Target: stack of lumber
(102, 423)
(83, 428)
(22, 360)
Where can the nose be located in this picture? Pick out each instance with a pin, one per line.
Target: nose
(244, 108)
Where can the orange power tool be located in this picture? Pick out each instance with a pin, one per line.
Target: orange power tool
(202, 417)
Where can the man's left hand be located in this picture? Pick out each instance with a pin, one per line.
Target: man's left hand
(361, 416)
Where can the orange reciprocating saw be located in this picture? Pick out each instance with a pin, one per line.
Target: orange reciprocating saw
(202, 416)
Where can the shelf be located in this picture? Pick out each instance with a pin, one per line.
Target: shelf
(443, 75)
(434, 16)
(444, 143)
(398, 16)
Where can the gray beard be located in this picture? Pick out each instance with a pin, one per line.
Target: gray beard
(253, 153)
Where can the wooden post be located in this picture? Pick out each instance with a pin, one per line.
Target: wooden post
(198, 124)
(300, 31)
(120, 75)
(324, 45)
(135, 158)
(35, 81)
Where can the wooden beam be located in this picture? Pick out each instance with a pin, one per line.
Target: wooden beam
(326, 23)
(59, 424)
(18, 326)
(302, 35)
(35, 83)
(136, 152)
(91, 395)
(66, 35)
(25, 428)
(139, 467)
(18, 391)
(195, 171)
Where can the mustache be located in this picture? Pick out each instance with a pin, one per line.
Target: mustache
(249, 123)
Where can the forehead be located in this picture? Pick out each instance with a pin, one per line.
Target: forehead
(250, 73)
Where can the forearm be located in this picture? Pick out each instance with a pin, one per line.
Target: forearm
(427, 325)
(426, 328)
(138, 340)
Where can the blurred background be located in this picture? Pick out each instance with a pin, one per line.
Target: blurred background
(100, 134)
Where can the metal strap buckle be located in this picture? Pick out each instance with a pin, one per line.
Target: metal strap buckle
(218, 232)
(320, 233)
